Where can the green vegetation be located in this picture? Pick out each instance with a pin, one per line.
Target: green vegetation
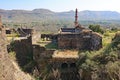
(48, 44)
(51, 46)
(13, 35)
(104, 61)
(49, 22)
(107, 37)
(12, 55)
(30, 65)
(96, 28)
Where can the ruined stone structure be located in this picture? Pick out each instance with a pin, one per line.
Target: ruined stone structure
(22, 46)
(63, 64)
(47, 37)
(60, 67)
(9, 69)
(64, 68)
(79, 38)
(23, 49)
(24, 31)
(84, 41)
(8, 31)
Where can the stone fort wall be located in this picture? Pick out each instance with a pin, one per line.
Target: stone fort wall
(23, 49)
(83, 41)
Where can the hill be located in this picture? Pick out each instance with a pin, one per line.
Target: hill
(45, 14)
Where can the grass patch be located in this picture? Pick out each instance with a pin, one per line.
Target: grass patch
(51, 46)
(13, 35)
(107, 38)
(48, 44)
(12, 55)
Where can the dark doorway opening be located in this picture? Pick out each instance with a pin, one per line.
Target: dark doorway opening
(72, 65)
(64, 65)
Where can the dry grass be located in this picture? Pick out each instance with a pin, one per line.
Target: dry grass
(66, 54)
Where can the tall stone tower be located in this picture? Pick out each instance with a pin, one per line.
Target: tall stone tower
(76, 17)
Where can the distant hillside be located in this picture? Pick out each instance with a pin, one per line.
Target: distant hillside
(44, 14)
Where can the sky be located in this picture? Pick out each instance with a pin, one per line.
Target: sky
(62, 5)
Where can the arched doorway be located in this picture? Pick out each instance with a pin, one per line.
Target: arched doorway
(72, 65)
(64, 65)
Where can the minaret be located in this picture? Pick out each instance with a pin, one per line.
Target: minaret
(76, 17)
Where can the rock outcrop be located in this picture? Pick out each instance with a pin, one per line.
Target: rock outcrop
(9, 69)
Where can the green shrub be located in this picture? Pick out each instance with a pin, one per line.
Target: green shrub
(97, 28)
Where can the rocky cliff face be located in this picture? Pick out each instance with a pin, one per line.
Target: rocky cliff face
(9, 70)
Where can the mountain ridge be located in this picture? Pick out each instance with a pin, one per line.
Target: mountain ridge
(46, 14)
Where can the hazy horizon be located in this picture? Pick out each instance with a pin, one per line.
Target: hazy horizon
(62, 5)
(56, 11)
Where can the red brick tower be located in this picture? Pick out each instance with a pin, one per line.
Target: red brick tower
(76, 17)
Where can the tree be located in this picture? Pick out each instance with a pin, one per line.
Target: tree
(114, 29)
(96, 28)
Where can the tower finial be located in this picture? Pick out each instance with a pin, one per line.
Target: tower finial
(76, 17)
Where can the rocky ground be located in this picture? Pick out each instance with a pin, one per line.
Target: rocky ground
(9, 69)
